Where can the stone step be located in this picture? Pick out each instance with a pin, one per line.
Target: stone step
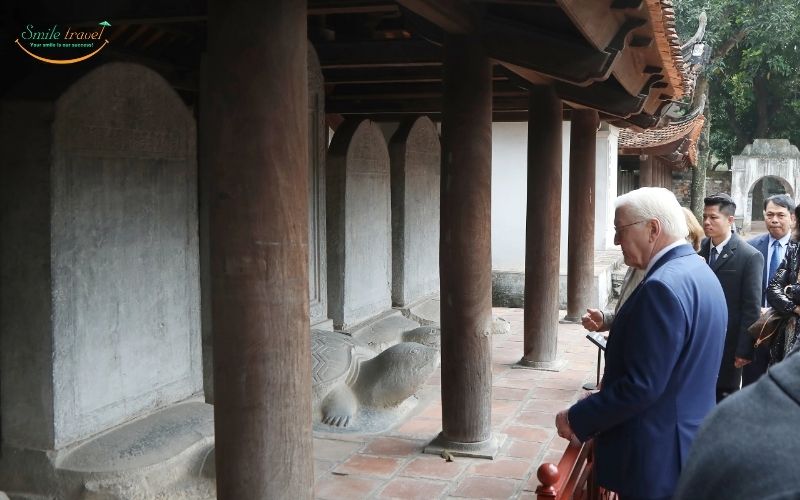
(156, 456)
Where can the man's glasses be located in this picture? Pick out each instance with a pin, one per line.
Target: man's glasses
(617, 229)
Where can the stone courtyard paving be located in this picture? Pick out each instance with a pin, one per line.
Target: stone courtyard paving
(392, 465)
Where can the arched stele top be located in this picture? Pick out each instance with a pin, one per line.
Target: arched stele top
(94, 115)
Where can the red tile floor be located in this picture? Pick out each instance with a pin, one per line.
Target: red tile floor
(392, 465)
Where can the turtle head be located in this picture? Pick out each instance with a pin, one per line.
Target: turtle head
(395, 374)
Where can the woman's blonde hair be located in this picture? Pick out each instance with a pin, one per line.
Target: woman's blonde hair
(696, 233)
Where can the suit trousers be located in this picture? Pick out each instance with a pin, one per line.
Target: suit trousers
(753, 370)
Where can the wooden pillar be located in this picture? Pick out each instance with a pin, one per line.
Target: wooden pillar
(465, 263)
(667, 176)
(658, 174)
(645, 170)
(580, 244)
(257, 133)
(542, 230)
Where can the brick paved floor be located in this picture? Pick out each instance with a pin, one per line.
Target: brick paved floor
(392, 465)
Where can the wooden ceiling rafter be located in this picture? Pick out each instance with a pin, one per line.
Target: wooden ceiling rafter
(615, 56)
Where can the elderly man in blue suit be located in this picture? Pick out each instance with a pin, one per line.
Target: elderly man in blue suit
(779, 218)
(662, 356)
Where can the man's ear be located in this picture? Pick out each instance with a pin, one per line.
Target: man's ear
(655, 229)
(731, 218)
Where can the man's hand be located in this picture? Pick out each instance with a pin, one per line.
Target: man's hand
(563, 428)
(592, 320)
(740, 362)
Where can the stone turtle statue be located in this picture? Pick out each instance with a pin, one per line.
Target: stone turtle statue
(348, 376)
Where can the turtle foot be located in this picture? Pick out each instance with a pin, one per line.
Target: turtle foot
(336, 420)
(339, 407)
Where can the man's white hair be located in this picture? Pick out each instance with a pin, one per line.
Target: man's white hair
(656, 203)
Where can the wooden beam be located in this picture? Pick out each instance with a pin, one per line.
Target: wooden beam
(626, 4)
(639, 41)
(412, 74)
(377, 54)
(523, 3)
(565, 59)
(608, 96)
(413, 105)
(598, 23)
(527, 74)
(389, 90)
(452, 16)
(327, 8)
(117, 21)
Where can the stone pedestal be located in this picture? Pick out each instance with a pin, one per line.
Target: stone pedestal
(100, 297)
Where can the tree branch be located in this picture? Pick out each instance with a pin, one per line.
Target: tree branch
(730, 112)
(729, 44)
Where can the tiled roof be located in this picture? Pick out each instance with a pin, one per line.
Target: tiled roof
(678, 132)
(666, 38)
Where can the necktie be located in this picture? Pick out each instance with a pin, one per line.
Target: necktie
(774, 260)
(713, 256)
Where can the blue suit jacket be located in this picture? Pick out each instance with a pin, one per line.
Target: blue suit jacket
(662, 360)
(761, 243)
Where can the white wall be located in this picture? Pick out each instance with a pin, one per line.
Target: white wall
(509, 184)
(605, 186)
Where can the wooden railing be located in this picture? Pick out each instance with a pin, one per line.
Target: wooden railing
(573, 477)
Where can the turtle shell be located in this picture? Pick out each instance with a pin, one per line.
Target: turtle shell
(332, 357)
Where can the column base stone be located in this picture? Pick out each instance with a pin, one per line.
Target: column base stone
(549, 366)
(482, 449)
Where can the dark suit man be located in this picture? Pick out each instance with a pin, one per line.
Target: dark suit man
(739, 269)
(662, 355)
(779, 219)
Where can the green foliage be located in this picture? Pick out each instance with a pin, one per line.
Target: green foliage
(754, 72)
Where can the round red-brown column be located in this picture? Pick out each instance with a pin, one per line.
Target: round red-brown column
(542, 230)
(257, 153)
(465, 263)
(580, 238)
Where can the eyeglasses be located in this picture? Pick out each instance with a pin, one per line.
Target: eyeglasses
(617, 229)
(776, 215)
